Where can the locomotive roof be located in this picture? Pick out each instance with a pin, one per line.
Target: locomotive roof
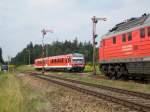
(129, 25)
(77, 55)
(73, 54)
(65, 55)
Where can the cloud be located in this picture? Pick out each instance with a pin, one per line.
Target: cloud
(47, 3)
(22, 20)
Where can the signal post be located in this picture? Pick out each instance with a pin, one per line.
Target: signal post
(44, 32)
(95, 21)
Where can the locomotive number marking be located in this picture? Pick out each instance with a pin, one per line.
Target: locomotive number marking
(127, 48)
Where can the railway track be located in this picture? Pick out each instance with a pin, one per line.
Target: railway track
(138, 94)
(133, 100)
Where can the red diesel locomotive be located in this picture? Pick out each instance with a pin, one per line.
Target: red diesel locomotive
(125, 50)
(68, 62)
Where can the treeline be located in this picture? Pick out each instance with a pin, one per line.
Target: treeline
(56, 48)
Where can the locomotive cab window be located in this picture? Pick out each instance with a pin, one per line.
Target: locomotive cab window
(124, 38)
(129, 36)
(148, 31)
(114, 40)
(142, 32)
(103, 43)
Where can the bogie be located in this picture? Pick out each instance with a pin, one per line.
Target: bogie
(114, 71)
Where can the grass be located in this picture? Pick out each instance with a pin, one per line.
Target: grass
(89, 68)
(11, 98)
(25, 68)
(15, 96)
(34, 101)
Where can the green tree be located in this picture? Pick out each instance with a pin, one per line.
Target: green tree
(55, 48)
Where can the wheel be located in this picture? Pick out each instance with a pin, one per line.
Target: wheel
(124, 73)
(65, 69)
(111, 72)
(104, 69)
(82, 69)
(125, 77)
(119, 71)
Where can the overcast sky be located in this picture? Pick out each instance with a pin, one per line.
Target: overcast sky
(21, 21)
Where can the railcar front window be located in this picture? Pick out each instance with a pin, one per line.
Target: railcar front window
(78, 61)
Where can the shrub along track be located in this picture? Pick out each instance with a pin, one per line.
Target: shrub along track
(133, 100)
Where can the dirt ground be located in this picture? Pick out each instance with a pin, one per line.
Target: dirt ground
(62, 99)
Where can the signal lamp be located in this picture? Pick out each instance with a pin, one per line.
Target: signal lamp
(95, 43)
(95, 35)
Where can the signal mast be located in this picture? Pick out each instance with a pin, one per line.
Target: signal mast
(95, 21)
(44, 32)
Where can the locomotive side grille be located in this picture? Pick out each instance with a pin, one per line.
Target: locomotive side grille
(139, 67)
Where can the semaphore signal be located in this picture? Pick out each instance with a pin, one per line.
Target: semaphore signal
(44, 32)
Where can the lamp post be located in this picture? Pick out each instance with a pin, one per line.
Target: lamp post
(44, 32)
(95, 21)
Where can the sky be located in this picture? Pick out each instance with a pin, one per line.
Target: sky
(21, 21)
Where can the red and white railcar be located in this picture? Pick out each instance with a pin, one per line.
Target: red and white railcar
(70, 62)
(125, 50)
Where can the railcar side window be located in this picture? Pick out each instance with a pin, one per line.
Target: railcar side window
(69, 60)
(66, 60)
(129, 36)
(148, 31)
(124, 38)
(142, 32)
(114, 40)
